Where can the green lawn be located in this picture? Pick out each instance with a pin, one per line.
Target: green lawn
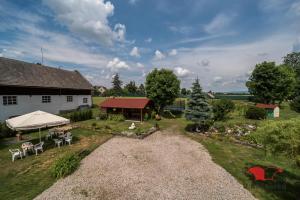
(236, 158)
(26, 178)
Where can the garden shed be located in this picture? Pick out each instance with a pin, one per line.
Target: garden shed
(272, 109)
(130, 108)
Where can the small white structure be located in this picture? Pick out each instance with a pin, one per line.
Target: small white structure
(35, 120)
(132, 126)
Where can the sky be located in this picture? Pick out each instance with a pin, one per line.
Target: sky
(217, 41)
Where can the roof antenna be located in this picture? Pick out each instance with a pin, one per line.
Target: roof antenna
(42, 56)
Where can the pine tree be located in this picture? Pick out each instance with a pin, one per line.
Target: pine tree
(199, 111)
(141, 90)
(117, 85)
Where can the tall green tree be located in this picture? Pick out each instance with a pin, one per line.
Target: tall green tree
(162, 87)
(293, 60)
(131, 88)
(269, 83)
(183, 92)
(116, 85)
(198, 109)
(141, 90)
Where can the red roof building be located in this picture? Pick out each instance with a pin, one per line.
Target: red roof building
(272, 109)
(130, 108)
(261, 105)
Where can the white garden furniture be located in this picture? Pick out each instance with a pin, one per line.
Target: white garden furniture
(15, 153)
(68, 139)
(57, 142)
(38, 147)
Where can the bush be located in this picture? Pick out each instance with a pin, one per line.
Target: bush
(79, 115)
(256, 113)
(5, 131)
(222, 108)
(153, 114)
(116, 117)
(298, 161)
(295, 104)
(102, 116)
(65, 165)
(279, 137)
(146, 117)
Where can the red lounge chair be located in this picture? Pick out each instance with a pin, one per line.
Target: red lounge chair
(259, 173)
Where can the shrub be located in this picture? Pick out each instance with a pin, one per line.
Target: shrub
(65, 166)
(256, 113)
(146, 117)
(295, 104)
(116, 117)
(298, 161)
(279, 137)
(102, 116)
(222, 108)
(153, 114)
(79, 115)
(5, 131)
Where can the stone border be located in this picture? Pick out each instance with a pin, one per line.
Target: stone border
(131, 134)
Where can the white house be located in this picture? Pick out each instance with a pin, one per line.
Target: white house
(27, 87)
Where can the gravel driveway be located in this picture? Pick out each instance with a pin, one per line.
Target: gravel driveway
(162, 166)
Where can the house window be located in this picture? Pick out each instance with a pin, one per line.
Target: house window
(85, 100)
(69, 98)
(9, 100)
(46, 99)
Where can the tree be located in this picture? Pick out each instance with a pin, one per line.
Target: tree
(293, 60)
(116, 85)
(141, 90)
(183, 92)
(269, 83)
(162, 87)
(198, 109)
(221, 108)
(131, 88)
(295, 104)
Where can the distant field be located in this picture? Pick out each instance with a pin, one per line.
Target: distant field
(233, 97)
(98, 100)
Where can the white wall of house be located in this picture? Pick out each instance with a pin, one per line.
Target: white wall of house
(276, 112)
(27, 103)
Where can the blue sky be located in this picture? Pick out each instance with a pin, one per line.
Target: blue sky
(218, 41)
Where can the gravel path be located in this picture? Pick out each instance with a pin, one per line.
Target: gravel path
(162, 166)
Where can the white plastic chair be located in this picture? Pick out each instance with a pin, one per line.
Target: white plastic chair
(68, 139)
(38, 147)
(15, 153)
(57, 142)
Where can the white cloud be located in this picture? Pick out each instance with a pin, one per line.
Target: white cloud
(228, 61)
(181, 72)
(295, 8)
(218, 23)
(135, 52)
(217, 78)
(140, 65)
(158, 55)
(148, 40)
(173, 52)
(88, 19)
(117, 64)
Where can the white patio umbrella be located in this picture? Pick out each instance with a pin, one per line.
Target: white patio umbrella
(35, 120)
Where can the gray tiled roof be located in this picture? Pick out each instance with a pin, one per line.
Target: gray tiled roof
(19, 73)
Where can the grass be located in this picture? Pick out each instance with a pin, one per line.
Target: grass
(26, 178)
(237, 158)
